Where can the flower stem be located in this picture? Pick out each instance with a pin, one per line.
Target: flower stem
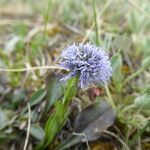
(97, 42)
(110, 99)
(95, 21)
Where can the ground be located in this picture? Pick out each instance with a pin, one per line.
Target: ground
(33, 34)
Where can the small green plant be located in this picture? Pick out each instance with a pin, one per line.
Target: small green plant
(39, 110)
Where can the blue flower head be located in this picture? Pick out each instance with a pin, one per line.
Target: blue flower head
(87, 61)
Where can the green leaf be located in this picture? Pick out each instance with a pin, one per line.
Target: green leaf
(144, 45)
(147, 89)
(146, 63)
(71, 89)
(107, 42)
(136, 21)
(122, 42)
(139, 134)
(117, 76)
(143, 101)
(3, 119)
(132, 21)
(21, 29)
(11, 44)
(37, 132)
(55, 91)
(57, 120)
(37, 97)
(54, 124)
(6, 137)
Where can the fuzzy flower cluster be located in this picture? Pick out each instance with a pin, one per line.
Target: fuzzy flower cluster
(87, 61)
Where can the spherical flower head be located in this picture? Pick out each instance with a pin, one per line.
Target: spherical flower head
(90, 63)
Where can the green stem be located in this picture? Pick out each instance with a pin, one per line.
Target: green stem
(127, 108)
(133, 76)
(95, 20)
(47, 16)
(110, 100)
(97, 42)
(71, 89)
(60, 114)
(68, 143)
(133, 140)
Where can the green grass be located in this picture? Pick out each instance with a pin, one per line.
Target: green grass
(35, 35)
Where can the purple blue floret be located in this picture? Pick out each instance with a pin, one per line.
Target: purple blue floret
(87, 61)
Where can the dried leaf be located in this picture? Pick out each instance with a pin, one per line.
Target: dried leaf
(96, 117)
